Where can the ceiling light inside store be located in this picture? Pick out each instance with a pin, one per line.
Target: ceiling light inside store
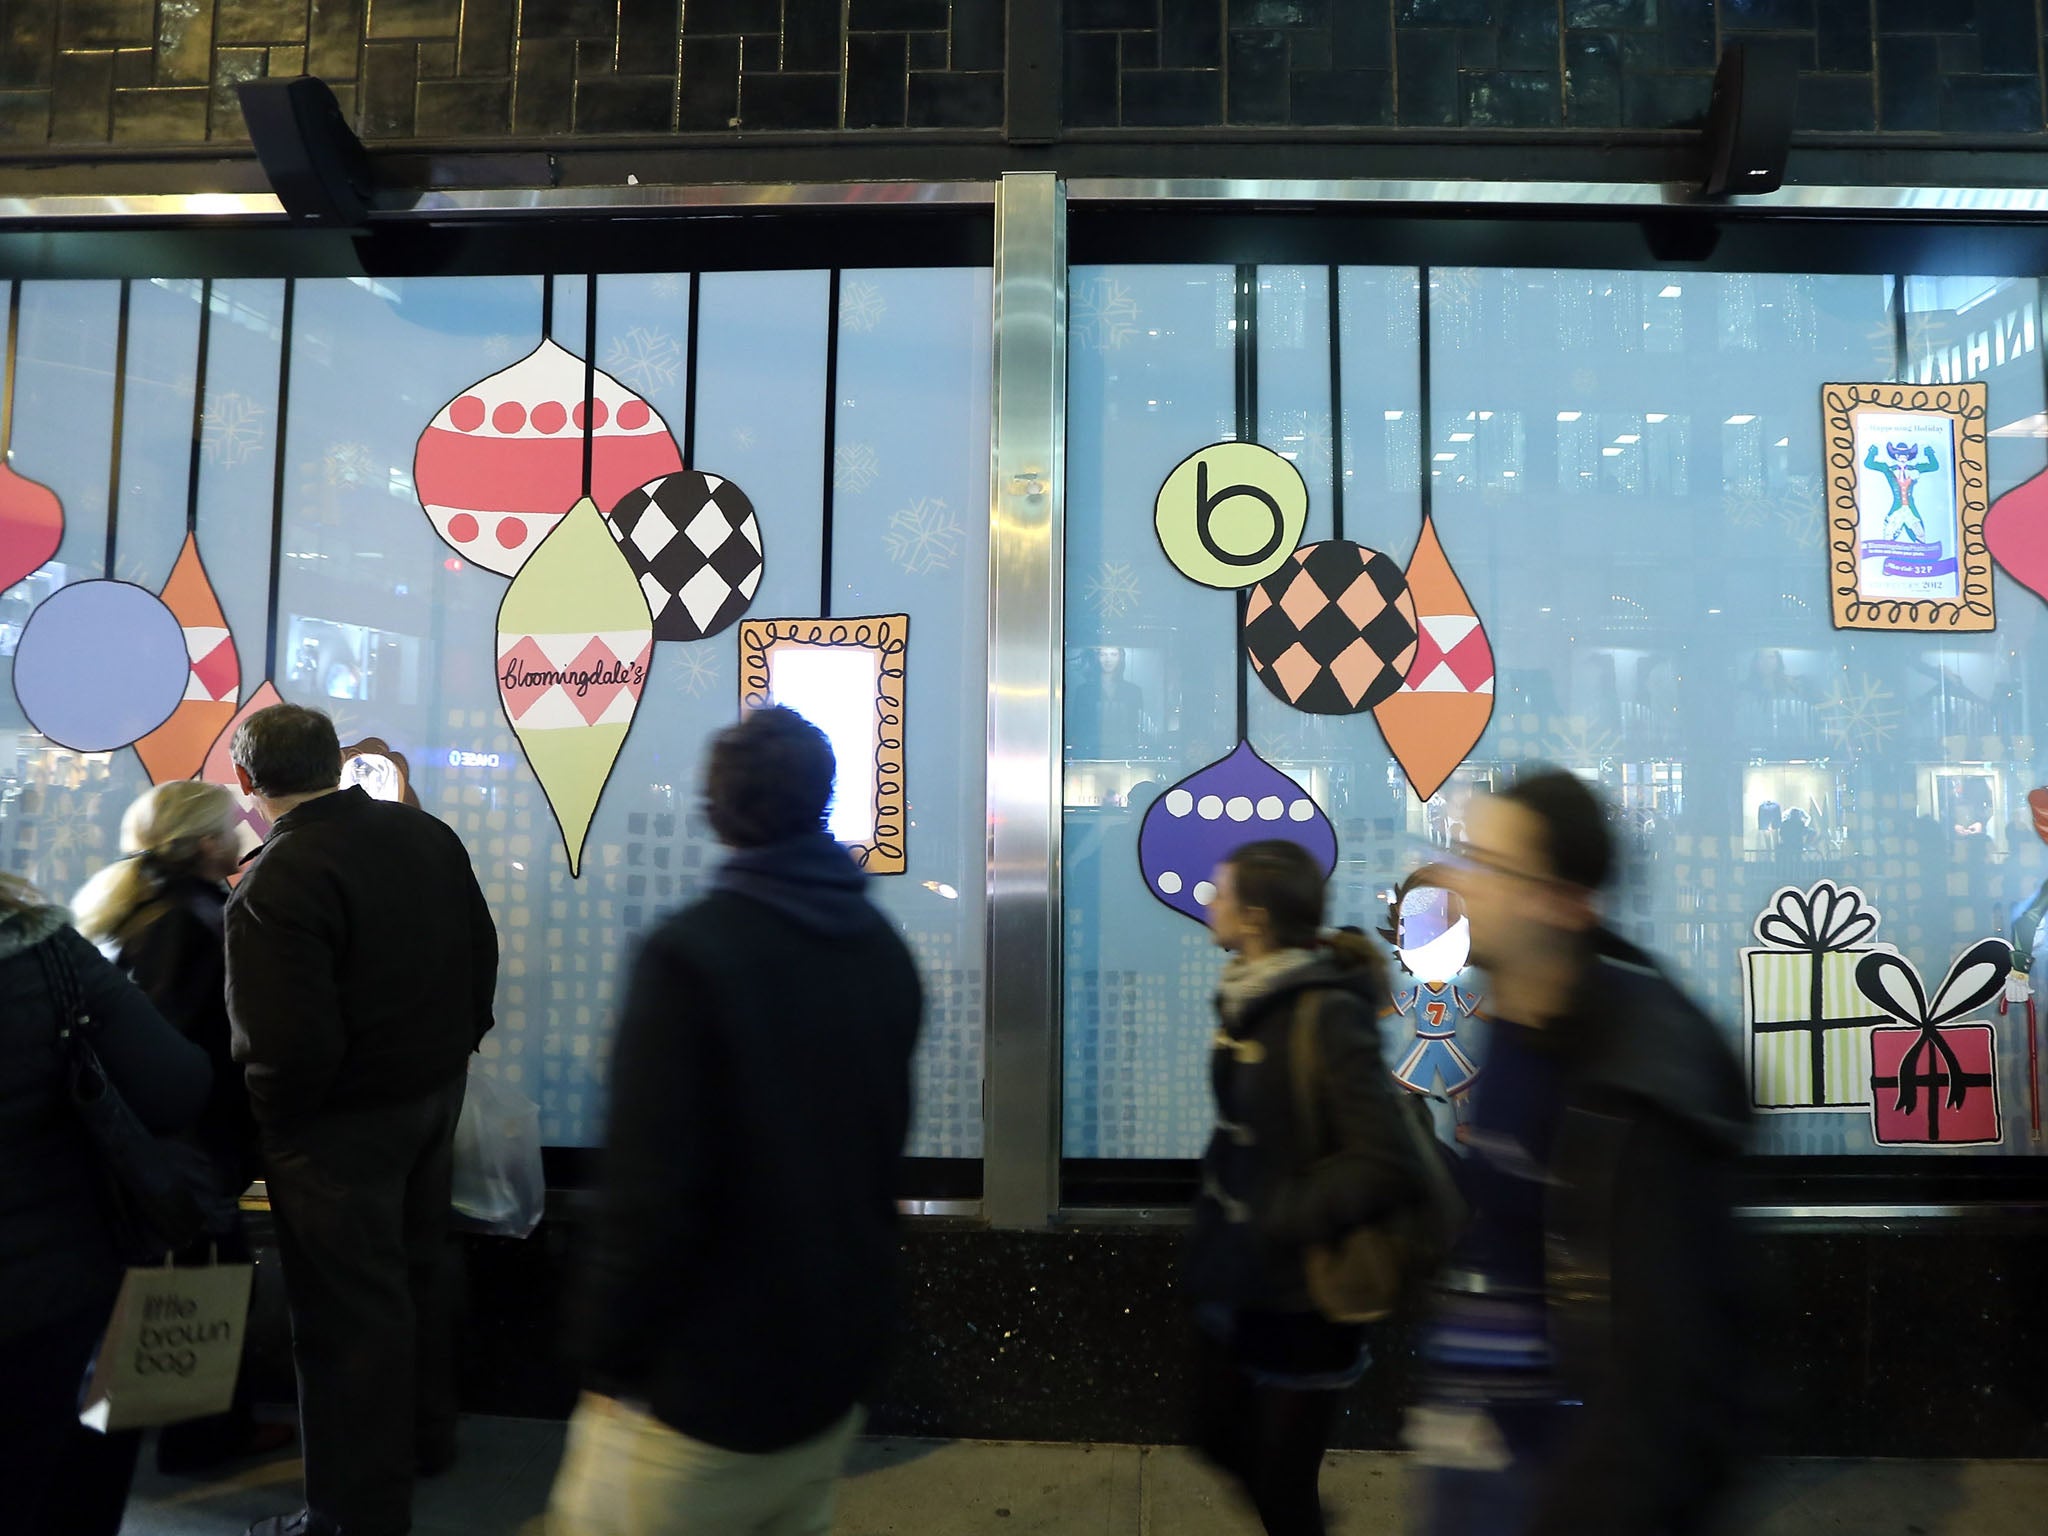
(1486, 415)
(1654, 419)
(1569, 415)
(2035, 425)
(1440, 458)
(1395, 415)
(1461, 437)
(1672, 292)
(1630, 437)
(1783, 442)
(1610, 453)
(1740, 421)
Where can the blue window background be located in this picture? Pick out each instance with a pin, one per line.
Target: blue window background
(1626, 472)
(405, 628)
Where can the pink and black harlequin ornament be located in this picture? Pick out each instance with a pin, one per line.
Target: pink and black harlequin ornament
(1333, 631)
(695, 548)
(1213, 812)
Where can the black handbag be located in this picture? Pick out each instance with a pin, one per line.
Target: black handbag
(161, 1194)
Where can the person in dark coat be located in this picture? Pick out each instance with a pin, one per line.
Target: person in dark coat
(362, 966)
(1272, 1369)
(740, 1284)
(1584, 1369)
(59, 1271)
(160, 911)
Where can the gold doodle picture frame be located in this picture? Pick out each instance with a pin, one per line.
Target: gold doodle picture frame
(884, 641)
(1907, 493)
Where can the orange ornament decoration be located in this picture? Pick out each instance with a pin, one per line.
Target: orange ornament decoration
(1437, 715)
(178, 748)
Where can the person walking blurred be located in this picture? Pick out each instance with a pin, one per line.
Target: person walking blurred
(1271, 1368)
(362, 967)
(59, 1268)
(159, 911)
(1582, 1373)
(739, 1290)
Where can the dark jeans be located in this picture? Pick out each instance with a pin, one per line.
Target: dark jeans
(1271, 1439)
(58, 1478)
(361, 1200)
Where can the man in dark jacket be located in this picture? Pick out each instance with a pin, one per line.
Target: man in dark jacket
(740, 1286)
(1583, 1373)
(362, 963)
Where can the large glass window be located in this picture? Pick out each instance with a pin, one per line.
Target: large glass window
(376, 618)
(1626, 471)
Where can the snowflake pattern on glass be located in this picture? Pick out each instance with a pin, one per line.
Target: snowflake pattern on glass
(231, 429)
(854, 467)
(861, 306)
(1113, 590)
(645, 358)
(924, 536)
(1103, 314)
(1859, 719)
(695, 673)
(348, 464)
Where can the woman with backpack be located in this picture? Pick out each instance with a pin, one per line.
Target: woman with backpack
(1310, 1148)
(59, 1267)
(159, 913)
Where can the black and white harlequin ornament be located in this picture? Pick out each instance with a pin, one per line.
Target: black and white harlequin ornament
(695, 547)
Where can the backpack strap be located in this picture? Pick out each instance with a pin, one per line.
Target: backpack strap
(1305, 1061)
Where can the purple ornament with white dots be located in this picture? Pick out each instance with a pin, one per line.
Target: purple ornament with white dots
(1212, 813)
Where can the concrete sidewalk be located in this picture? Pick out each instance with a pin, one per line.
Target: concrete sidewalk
(965, 1488)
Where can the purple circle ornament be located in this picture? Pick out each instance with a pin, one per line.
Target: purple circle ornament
(100, 664)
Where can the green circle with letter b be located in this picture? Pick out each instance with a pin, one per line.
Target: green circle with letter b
(1230, 514)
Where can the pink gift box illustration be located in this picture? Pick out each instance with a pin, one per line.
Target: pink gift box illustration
(1934, 1082)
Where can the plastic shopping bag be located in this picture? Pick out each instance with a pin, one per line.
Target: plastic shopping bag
(498, 1180)
(172, 1350)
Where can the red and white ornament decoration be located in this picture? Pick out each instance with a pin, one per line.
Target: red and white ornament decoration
(502, 463)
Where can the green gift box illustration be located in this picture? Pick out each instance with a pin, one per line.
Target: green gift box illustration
(1809, 1023)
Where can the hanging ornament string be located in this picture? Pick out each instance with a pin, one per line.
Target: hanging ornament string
(199, 366)
(690, 381)
(1425, 425)
(589, 375)
(1247, 361)
(284, 401)
(831, 441)
(547, 307)
(1902, 346)
(119, 427)
(7, 382)
(1336, 404)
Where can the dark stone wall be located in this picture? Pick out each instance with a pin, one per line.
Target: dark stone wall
(142, 74)
(1868, 1341)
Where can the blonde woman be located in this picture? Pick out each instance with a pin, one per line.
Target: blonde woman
(158, 914)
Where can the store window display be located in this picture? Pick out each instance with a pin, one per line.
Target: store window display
(1628, 473)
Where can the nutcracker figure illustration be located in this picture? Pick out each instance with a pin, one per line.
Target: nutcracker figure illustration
(1428, 932)
(1902, 466)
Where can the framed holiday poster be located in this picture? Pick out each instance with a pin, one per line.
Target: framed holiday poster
(1907, 496)
(845, 676)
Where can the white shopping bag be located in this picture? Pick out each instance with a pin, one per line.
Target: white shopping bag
(499, 1184)
(173, 1348)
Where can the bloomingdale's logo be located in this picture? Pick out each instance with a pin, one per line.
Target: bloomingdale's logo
(606, 674)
